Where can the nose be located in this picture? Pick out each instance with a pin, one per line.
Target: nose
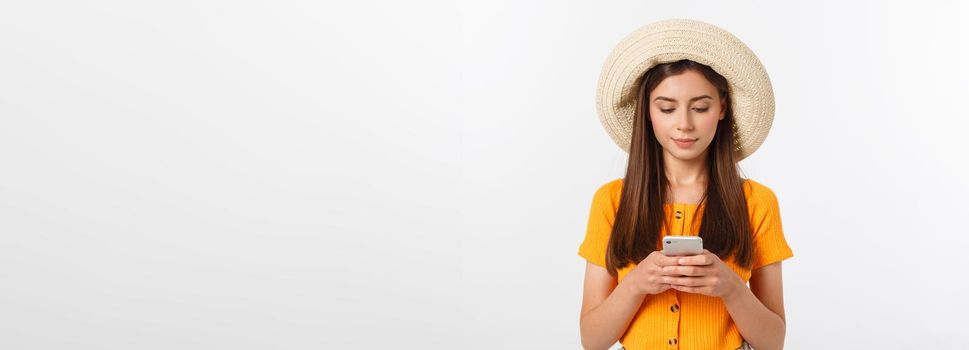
(684, 122)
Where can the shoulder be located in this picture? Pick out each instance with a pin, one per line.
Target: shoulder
(609, 192)
(610, 189)
(759, 194)
(612, 186)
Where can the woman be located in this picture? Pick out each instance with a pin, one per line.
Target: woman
(698, 101)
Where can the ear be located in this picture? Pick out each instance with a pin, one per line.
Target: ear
(723, 109)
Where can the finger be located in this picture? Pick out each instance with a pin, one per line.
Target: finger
(697, 260)
(685, 281)
(684, 270)
(665, 260)
(696, 290)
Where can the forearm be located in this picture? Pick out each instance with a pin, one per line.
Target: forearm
(602, 325)
(761, 328)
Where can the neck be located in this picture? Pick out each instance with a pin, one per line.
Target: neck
(685, 173)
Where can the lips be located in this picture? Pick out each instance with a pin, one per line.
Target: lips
(685, 143)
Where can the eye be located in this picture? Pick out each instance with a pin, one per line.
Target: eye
(667, 111)
(701, 110)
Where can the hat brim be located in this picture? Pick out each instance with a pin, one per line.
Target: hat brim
(751, 93)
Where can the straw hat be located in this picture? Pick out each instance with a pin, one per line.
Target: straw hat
(672, 40)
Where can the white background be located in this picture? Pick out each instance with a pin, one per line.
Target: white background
(324, 175)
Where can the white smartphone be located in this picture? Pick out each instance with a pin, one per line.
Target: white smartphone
(682, 245)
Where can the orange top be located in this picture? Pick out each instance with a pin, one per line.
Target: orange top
(681, 320)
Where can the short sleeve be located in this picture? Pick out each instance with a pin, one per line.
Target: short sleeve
(599, 227)
(770, 246)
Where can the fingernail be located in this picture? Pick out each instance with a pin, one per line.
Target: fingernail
(682, 261)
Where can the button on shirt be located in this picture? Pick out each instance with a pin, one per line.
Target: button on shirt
(681, 320)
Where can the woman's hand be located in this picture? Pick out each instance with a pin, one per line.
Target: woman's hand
(647, 277)
(703, 274)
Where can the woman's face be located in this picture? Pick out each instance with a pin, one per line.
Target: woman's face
(685, 107)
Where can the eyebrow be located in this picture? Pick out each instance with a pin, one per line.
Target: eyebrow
(673, 100)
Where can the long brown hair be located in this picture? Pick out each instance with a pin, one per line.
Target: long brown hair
(725, 227)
